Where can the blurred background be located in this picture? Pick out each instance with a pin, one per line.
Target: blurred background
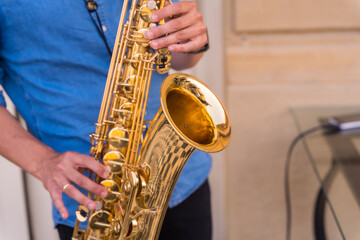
(266, 57)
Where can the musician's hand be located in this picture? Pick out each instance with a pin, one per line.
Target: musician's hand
(66, 168)
(185, 26)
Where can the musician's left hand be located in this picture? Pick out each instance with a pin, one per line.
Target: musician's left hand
(184, 26)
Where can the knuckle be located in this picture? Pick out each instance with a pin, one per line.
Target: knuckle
(180, 48)
(176, 25)
(53, 195)
(57, 193)
(204, 41)
(103, 170)
(84, 201)
(61, 166)
(98, 189)
(176, 7)
(70, 190)
(67, 155)
(82, 161)
(193, 4)
(181, 36)
(156, 31)
(198, 16)
(202, 28)
(98, 167)
(80, 181)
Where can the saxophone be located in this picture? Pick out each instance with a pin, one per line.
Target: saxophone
(141, 181)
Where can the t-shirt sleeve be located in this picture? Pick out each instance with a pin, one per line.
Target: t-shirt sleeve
(2, 99)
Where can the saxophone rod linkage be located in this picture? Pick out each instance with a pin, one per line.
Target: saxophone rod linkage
(102, 224)
(122, 111)
(124, 84)
(114, 162)
(137, 39)
(105, 101)
(109, 122)
(120, 52)
(139, 108)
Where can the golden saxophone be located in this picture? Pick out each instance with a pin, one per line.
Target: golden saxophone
(190, 117)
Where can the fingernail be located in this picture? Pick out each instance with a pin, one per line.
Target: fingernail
(91, 206)
(154, 18)
(108, 169)
(106, 174)
(103, 194)
(63, 215)
(171, 48)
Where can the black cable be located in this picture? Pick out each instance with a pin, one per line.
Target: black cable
(286, 176)
(92, 6)
(329, 128)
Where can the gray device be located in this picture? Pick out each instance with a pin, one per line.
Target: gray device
(344, 122)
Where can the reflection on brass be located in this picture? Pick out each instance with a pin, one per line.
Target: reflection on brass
(99, 225)
(113, 190)
(114, 161)
(144, 170)
(118, 137)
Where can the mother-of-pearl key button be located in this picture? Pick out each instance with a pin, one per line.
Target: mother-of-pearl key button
(151, 5)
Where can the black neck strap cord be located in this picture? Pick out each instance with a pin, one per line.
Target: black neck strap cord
(92, 7)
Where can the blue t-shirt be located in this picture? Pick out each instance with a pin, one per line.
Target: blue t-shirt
(54, 64)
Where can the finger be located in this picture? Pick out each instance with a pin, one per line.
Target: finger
(172, 10)
(193, 45)
(181, 36)
(55, 188)
(83, 161)
(171, 26)
(62, 180)
(86, 183)
(75, 194)
(56, 196)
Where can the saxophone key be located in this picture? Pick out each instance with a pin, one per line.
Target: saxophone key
(98, 205)
(118, 137)
(152, 5)
(113, 191)
(147, 9)
(100, 224)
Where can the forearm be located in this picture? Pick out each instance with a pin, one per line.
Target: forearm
(19, 146)
(181, 61)
(54, 170)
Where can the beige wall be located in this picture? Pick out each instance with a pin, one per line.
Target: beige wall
(280, 54)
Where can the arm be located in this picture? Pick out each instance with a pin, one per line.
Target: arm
(186, 33)
(53, 169)
(181, 61)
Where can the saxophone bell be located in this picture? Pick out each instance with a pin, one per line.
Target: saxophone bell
(191, 117)
(195, 112)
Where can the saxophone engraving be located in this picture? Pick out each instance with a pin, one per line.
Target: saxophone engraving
(144, 171)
